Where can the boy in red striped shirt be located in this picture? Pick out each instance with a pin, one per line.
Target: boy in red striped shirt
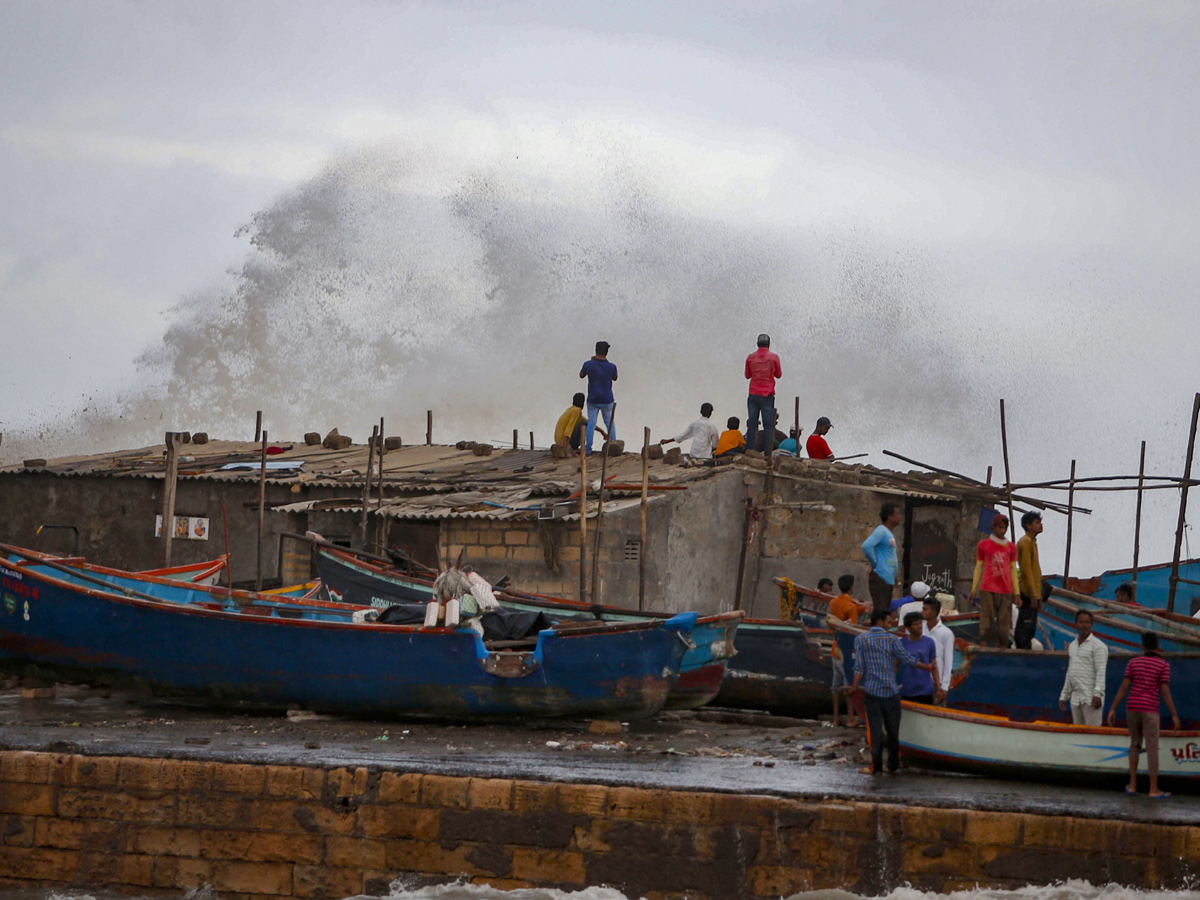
(1146, 676)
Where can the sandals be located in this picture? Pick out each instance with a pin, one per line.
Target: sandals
(1161, 795)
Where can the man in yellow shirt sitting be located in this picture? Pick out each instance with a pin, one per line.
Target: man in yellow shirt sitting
(570, 424)
(731, 440)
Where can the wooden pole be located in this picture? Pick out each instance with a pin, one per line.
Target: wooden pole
(531, 440)
(258, 426)
(366, 494)
(514, 439)
(1070, 523)
(428, 427)
(797, 422)
(1007, 472)
(1183, 495)
(380, 537)
(737, 592)
(596, 584)
(583, 492)
(262, 507)
(173, 442)
(989, 475)
(228, 558)
(645, 498)
(1137, 516)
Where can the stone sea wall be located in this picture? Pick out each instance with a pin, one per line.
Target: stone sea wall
(159, 826)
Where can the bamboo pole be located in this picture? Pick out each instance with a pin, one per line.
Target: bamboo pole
(1007, 473)
(366, 494)
(514, 438)
(170, 480)
(1183, 496)
(1137, 516)
(989, 475)
(645, 500)
(1070, 523)
(583, 492)
(428, 427)
(262, 506)
(380, 537)
(797, 423)
(258, 426)
(596, 581)
(531, 447)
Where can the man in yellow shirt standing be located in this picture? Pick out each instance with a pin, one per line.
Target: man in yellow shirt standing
(570, 424)
(1030, 580)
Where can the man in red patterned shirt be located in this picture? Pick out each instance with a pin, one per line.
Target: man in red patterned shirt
(1146, 677)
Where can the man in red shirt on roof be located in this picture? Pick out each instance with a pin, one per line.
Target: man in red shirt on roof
(816, 445)
(762, 368)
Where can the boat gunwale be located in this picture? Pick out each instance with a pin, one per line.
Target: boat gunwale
(241, 616)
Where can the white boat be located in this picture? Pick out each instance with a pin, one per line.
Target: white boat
(946, 739)
(201, 573)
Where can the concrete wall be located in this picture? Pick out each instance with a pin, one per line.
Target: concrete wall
(115, 518)
(253, 832)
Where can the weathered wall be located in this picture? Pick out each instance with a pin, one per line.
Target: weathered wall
(265, 831)
(115, 518)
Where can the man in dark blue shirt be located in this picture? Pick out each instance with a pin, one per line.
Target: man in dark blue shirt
(600, 374)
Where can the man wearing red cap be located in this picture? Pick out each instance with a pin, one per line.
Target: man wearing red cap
(816, 445)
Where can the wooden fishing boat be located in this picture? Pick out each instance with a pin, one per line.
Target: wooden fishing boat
(194, 573)
(1040, 750)
(60, 623)
(1119, 628)
(1153, 585)
(779, 669)
(351, 578)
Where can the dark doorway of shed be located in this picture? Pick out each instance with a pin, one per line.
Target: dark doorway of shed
(931, 544)
(417, 539)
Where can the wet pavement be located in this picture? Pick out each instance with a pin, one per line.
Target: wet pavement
(703, 750)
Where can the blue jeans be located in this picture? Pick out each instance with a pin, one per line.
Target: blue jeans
(607, 409)
(757, 405)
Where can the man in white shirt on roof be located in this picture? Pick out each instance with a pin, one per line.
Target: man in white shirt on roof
(931, 612)
(703, 434)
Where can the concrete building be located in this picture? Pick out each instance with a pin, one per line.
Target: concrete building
(511, 512)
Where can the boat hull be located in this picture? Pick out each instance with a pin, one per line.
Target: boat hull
(1042, 751)
(778, 669)
(98, 636)
(359, 583)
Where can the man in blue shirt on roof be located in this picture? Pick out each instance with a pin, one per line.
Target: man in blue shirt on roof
(877, 653)
(600, 374)
(880, 551)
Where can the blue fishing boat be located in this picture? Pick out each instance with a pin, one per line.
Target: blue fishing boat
(60, 623)
(1153, 585)
(353, 579)
(778, 669)
(1024, 685)
(1120, 629)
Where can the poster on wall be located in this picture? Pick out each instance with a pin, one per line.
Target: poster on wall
(187, 528)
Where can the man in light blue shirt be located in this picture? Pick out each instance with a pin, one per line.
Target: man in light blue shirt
(880, 550)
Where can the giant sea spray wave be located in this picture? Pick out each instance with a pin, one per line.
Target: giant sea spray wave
(387, 285)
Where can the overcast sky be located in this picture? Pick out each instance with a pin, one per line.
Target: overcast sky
(931, 206)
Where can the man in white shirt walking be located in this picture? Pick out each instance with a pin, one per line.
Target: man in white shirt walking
(703, 433)
(1084, 685)
(931, 612)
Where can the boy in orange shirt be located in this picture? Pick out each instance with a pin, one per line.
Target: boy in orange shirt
(847, 609)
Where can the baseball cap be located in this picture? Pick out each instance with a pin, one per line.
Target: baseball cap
(919, 590)
(764, 340)
(824, 420)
